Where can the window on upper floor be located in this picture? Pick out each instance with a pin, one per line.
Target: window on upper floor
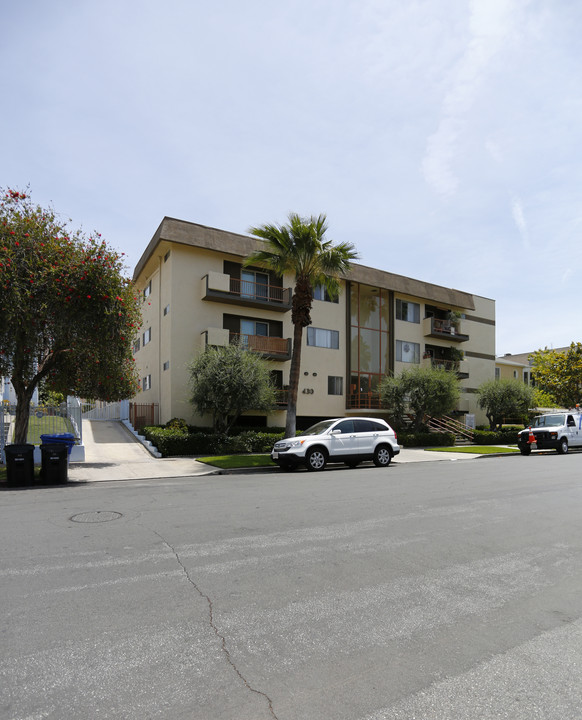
(407, 311)
(147, 291)
(408, 352)
(166, 365)
(166, 309)
(320, 337)
(147, 336)
(147, 382)
(320, 293)
(136, 345)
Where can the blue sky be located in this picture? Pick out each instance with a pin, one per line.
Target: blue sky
(443, 139)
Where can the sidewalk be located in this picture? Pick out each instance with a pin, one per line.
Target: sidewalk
(113, 453)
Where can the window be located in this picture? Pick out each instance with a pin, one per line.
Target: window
(147, 382)
(254, 327)
(407, 351)
(166, 256)
(319, 337)
(254, 284)
(335, 385)
(166, 365)
(147, 336)
(407, 311)
(147, 291)
(136, 345)
(497, 373)
(320, 293)
(166, 309)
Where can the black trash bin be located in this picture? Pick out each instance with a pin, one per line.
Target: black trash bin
(19, 464)
(54, 463)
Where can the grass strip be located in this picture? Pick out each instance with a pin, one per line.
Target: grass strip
(226, 462)
(476, 449)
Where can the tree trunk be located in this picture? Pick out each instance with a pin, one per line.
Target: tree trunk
(23, 398)
(291, 422)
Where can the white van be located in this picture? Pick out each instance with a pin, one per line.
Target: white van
(552, 431)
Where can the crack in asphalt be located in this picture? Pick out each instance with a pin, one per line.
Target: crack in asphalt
(212, 624)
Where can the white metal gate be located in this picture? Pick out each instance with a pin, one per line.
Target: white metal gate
(101, 411)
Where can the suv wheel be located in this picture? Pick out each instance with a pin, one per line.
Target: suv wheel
(316, 459)
(563, 446)
(382, 456)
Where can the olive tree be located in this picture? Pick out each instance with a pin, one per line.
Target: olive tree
(504, 398)
(419, 392)
(226, 381)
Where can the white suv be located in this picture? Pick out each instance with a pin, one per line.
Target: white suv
(345, 440)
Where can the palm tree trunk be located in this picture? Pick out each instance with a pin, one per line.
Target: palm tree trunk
(291, 421)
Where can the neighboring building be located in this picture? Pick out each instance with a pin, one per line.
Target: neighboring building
(196, 293)
(518, 366)
(9, 395)
(514, 367)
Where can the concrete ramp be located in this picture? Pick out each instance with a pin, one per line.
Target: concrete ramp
(113, 453)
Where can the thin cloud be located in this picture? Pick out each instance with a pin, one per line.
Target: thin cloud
(490, 24)
(519, 220)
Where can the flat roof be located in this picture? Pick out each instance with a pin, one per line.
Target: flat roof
(201, 236)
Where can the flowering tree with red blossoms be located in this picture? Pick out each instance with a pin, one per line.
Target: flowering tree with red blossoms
(67, 314)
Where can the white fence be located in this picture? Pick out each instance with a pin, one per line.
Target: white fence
(50, 420)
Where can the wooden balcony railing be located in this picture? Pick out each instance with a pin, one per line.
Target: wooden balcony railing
(272, 346)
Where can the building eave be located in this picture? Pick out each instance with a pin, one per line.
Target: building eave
(182, 232)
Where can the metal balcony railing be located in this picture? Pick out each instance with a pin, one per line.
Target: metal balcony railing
(260, 291)
(437, 327)
(364, 401)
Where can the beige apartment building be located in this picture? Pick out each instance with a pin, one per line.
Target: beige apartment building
(196, 293)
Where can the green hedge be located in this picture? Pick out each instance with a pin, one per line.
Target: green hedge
(426, 439)
(490, 437)
(171, 441)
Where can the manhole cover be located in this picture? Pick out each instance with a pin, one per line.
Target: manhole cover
(96, 516)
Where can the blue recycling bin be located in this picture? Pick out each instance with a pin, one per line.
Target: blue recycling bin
(67, 439)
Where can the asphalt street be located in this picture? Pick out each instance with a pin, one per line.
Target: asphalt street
(430, 591)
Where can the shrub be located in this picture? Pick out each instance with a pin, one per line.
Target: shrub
(177, 424)
(171, 441)
(426, 439)
(489, 437)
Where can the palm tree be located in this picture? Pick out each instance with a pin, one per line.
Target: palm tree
(300, 247)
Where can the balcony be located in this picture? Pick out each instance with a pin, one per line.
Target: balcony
(218, 287)
(272, 348)
(460, 367)
(444, 329)
(364, 401)
(281, 397)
